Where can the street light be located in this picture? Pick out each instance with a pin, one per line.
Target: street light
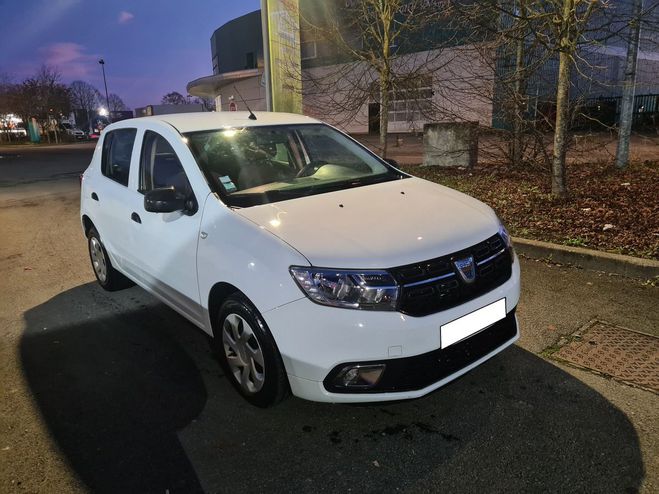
(107, 99)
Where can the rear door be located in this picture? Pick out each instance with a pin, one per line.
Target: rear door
(110, 195)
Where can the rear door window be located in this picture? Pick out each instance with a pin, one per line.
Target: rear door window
(117, 150)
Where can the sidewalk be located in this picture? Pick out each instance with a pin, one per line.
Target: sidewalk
(584, 149)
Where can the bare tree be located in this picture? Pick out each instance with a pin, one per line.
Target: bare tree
(568, 21)
(7, 104)
(173, 98)
(556, 31)
(627, 109)
(116, 103)
(85, 97)
(6, 87)
(378, 50)
(44, 98)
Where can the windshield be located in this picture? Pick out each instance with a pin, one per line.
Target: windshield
(258, 165)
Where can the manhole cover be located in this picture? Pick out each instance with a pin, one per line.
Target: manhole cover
(622, 354)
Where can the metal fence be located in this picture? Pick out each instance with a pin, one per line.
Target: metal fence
(596, 113)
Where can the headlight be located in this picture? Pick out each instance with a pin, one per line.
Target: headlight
(505, 235)
(507, 240)
(350, 289)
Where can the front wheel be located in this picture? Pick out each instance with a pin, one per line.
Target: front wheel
(248, 353)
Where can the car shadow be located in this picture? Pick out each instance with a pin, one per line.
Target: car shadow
(136, 403)
(113, 391)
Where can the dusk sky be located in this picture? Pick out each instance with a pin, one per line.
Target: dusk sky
(150, 47)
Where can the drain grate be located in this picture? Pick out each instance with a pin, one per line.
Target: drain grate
(622, 354)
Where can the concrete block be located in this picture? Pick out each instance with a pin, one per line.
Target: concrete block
(450, 144)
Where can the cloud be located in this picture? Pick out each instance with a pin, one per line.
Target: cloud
(70, 59)
(125, 17)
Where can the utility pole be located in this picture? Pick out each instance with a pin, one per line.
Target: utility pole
(629, 87)
(107, 99)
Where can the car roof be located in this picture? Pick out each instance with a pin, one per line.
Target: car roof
(199, 121)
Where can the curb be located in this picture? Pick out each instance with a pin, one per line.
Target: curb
(632, 267)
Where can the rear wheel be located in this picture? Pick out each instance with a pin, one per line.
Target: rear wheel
(248, 353)
(108, 277)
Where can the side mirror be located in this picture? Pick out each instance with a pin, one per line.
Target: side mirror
(164, 201)
(392, 162)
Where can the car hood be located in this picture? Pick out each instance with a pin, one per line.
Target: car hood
(377, 226)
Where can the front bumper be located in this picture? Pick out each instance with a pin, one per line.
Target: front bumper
(314, 340)
(420, 371)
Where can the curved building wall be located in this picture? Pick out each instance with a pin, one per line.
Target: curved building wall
(238, 44)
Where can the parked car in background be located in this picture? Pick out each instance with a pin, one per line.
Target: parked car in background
(14, 132)
(73, 132)
(317, 267)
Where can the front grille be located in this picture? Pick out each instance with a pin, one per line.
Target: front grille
(434, 285)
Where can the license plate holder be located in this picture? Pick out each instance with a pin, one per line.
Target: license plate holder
(472, 323)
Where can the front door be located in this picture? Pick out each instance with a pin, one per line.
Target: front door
(164, 245)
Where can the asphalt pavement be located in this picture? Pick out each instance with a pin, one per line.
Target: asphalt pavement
(114, 392)
(24, 164)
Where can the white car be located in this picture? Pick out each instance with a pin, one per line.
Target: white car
(74, 132)
(317, 267)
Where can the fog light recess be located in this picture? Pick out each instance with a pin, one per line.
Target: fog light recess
(359, 376)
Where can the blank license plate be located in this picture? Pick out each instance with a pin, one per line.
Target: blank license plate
(472, 323)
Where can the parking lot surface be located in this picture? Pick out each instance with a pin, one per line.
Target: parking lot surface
(114, 392)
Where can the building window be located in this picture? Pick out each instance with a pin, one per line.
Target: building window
(250, 60)
(307, 50)
(412, 100)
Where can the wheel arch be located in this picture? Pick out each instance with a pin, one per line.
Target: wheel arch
(87, 224)
(216, 297)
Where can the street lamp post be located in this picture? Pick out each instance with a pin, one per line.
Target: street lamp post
(107, 98)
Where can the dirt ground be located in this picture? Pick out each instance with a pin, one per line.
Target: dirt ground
(114, 392)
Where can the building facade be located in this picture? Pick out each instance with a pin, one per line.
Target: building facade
(448, 76)
(453, 81)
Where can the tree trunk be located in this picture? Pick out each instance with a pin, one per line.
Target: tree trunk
(520, 90)
(558, 187)
(386, 17)
(629, 87)
(518, 124)
(384, 113)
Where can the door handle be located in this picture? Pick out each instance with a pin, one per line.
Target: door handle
(94, 196)
(136, 218)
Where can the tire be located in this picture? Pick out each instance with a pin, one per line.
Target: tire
(109, 278)
(248, 353)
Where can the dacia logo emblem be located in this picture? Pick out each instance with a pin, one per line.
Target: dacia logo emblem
(466, 269)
